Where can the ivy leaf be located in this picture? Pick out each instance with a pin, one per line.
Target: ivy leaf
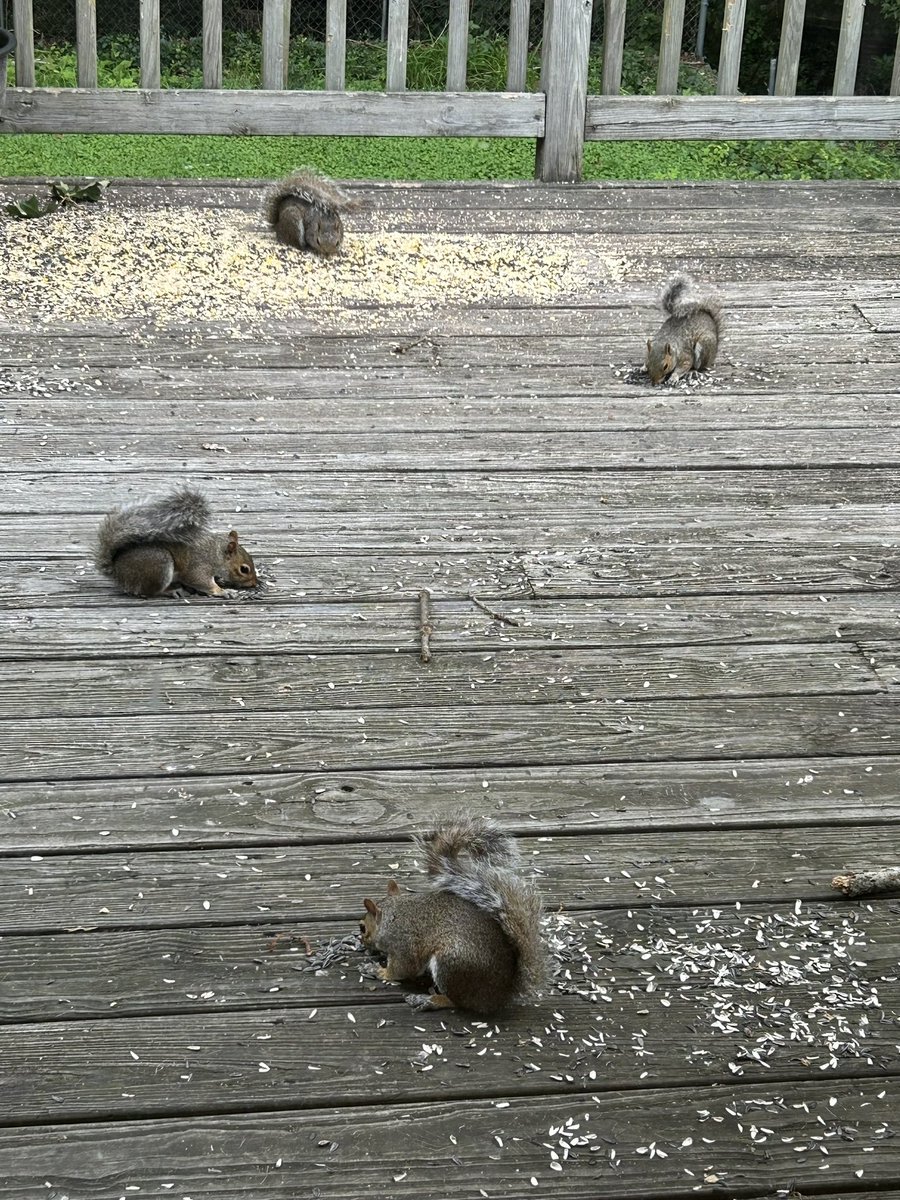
(68, 193)
(25, 209)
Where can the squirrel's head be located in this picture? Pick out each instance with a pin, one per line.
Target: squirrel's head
(323, 231)
(661, 361)
(374, 915)
(240, 569)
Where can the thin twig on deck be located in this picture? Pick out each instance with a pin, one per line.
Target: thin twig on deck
(425, 627)
(864, 883)
(490, 612)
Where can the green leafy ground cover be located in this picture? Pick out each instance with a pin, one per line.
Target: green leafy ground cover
(150, 156)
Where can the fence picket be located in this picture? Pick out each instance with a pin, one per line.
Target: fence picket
(397, 44)
(613, 45)
(150, 28)
(895, 74)
(458, 45)
(848, 47)
(335, 45)
(23, 23)
(670, 48)
(564, 70)
(730, 53)
(274, 44)
(517, 48)
(86, 42)
(212, 44)
(789, 47)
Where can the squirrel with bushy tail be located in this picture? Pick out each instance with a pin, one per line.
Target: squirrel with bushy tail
(305, 211)
(688, 339)
(474, 934)
(153, 548)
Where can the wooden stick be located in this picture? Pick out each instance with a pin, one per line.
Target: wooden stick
(490, 612)
(863, 883)
(425, 626)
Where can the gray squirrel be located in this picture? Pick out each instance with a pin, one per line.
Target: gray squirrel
(475, 933)
(689, 338)
(305, 211)
(152, 548)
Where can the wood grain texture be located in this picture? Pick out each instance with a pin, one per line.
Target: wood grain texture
(792, 199)
(564, 66)
(86, 42)
(131, 628)
(127, 973)
(23, 24)
(642, 450)
(274, 48)
(613, 45)
(795, 494)
(397, 45)
(458, 46)
(635, 568)
(665, 658)
(281, 808)
(222, 682)
(491, 735)
(212, 44)
(150, 50)
(292, 884)
(614, 118)
(299, 1058)
(789, 47)
(670, 48)
(731, 46)
(335, 45)
(517, 47)
(407, 1150)
(366, 114)
(848, 47)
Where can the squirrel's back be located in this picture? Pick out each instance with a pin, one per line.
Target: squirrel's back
(179, 517)
(309, 187)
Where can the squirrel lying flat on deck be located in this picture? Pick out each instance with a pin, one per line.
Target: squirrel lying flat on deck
(475, 932)
(150, 549)
(305, 211)
(689, 339)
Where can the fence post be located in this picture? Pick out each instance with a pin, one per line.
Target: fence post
(564, 72)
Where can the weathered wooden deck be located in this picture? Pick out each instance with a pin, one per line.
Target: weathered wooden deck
(677, 682)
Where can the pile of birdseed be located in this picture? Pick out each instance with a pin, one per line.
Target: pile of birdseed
(179, 264)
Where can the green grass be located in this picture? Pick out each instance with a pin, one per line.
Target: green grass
(152, 156)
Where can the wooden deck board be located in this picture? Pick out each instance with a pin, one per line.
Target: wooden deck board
(682, 695)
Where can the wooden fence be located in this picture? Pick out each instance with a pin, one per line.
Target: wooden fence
(561, 115)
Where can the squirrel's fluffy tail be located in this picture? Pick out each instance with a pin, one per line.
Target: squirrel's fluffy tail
(675, 303)
(475, 860)
(177, 517)
(475, 837)
(308, 186)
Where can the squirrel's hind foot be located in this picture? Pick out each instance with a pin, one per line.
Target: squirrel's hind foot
(427, 1001)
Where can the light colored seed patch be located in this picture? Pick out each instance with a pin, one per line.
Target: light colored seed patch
(177, 264)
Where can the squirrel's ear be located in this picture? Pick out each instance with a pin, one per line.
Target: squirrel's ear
(393, 887)
(371, 907)
(649, 345)
(232, 546)
(668, 348)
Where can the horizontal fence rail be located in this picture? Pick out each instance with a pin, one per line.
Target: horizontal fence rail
(561, 115)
